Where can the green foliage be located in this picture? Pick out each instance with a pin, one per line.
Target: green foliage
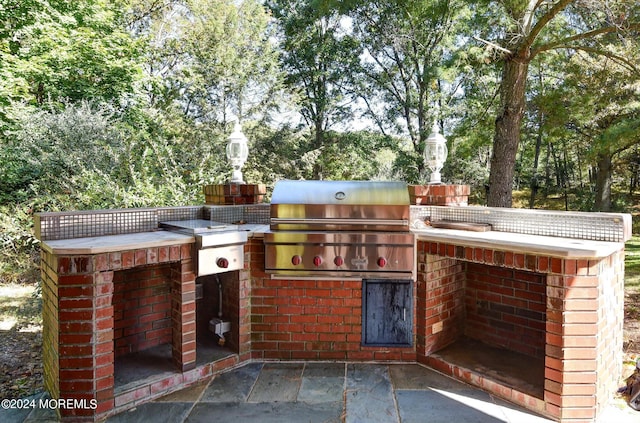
(319, 57)
(129, 103)
(287, 154)
(18, 245)
(632, 264)
(213, 60)
(55, 50)
(355, 156)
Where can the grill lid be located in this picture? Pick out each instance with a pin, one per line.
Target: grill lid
(340, 192)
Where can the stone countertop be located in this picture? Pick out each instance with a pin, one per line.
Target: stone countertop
(113, 243)
(522, 243)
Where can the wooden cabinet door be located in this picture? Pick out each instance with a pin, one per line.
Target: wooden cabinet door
(387, 312)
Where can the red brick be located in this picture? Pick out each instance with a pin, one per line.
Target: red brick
(75, 280)
(174, 252)
(101, 262)
(543, 264)
(85, 362)
(128, 259)
(185, 251)
(75, 386)
(115, 260)
(152, 255)
(75, 303)
(75, 291)
(468, 253)
(140, 257)
(77, 339)
(518, 260)
(76, 374)
(75, 315)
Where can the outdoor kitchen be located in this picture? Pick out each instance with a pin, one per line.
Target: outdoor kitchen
(136, 308)
(524, 304)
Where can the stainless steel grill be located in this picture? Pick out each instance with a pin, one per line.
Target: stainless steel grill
(340, 228)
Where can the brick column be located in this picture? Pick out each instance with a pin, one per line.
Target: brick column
(85, 363)
(584, 337)
(231, 194)
(440, 301)
(439, 195)
(50, 326)
(183, 311)
(104, 349)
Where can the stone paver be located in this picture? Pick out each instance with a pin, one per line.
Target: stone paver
(266, 412)
(327, 392)
(322, 382)
(369, 394)
(155, 412)
(233, 386)
(277, 382)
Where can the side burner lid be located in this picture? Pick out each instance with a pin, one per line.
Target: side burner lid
(195, 226)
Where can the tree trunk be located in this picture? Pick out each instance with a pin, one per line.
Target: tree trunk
(603, 183)
(317, 145)
(536, 159)
(547, 170)
(507, 132)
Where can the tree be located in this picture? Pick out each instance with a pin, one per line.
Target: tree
(606, 117)
(533, 29)
(54, 50)
(319, 56)
(213, 61)
(409, 58)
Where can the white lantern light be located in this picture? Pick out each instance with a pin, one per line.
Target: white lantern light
(435, 154)
(237, 153)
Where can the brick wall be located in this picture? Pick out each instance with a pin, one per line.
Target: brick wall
(583, 316)
(142, 308)
(439, 303)
(439, 195)
(50, 324)
(230, 194)
(208, 307)
(506, 308)
(78, 304)
(310, 319)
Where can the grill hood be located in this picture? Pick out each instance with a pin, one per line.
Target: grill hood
(340, 192)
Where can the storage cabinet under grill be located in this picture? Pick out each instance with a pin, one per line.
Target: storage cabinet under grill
(387, 312)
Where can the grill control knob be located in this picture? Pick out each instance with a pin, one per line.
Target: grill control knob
(296, 260)
(382, 262)
(222, 262)
(317, 261)
(338, 261)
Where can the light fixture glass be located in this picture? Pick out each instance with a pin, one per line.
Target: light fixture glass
(435, 154)
(237, 153)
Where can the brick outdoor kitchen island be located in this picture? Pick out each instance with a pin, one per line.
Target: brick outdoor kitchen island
(531, 311)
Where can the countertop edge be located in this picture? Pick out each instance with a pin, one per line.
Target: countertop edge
(114, 243)
(134, 241)
(531, 244)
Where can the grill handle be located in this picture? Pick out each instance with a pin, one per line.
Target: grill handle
(301, 221)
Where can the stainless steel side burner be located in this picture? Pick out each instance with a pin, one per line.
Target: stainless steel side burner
(218, 246)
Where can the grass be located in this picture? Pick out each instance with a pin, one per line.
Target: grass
(20, 308)
(632, 264)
